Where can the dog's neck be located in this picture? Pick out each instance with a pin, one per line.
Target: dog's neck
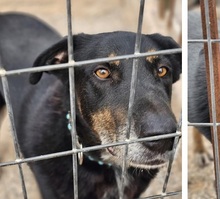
(79, 145)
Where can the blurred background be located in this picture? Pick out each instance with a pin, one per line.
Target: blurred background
(94, 16)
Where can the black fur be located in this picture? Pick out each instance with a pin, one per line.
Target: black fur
(22, 37)
(42, 125)
(198, 108)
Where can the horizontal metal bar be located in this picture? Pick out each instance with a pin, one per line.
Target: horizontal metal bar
(203, 124)
(163, 195)
(203, 40)
(88, 149)
(93, 61)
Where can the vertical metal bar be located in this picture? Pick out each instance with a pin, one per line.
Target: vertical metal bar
(69, 26)
(135, 69)
(72, 99)
(172, 155)
(132, 96)
(13, 131)
(212, 58)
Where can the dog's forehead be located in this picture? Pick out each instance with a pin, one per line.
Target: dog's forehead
(118, 43)
(121, 43)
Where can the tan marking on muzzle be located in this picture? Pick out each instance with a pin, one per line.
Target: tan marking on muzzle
(104, 123)
(152, 58)
(117, 62)
(78, 101)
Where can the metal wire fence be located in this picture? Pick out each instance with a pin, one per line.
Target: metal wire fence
(71, 65)
(208, 7)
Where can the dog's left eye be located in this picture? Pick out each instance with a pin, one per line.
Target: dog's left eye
(102, 73)
(162, 71)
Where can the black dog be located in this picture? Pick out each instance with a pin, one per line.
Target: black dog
(198, 108)
(102, 93)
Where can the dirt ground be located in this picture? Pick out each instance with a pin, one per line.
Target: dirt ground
(90, 16)
(201, 177)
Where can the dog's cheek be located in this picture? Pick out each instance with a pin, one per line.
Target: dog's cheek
(104, 125)
(167, 84)
(177, 67)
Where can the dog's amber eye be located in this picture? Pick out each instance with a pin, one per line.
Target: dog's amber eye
(102, 73)
(162, 71)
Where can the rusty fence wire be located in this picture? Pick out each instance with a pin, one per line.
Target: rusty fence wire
(71, 65)
(210, 34)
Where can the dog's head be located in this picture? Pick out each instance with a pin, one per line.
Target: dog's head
(102, 92)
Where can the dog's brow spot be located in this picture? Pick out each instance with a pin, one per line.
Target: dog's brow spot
(152, 58)
(117, 62)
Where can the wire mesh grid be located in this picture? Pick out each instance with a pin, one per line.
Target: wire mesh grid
(206, 7)
(71, 65)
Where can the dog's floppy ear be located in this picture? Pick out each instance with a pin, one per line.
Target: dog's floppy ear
(165, 43)
(56, 54)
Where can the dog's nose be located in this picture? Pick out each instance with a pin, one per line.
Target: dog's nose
(156, 119)
(160, 123)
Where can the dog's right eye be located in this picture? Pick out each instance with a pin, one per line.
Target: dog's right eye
(162, 71)
(102, 73)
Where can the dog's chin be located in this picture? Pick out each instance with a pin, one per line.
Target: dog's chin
(147, 166)
(143, 161)
(139, 165)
